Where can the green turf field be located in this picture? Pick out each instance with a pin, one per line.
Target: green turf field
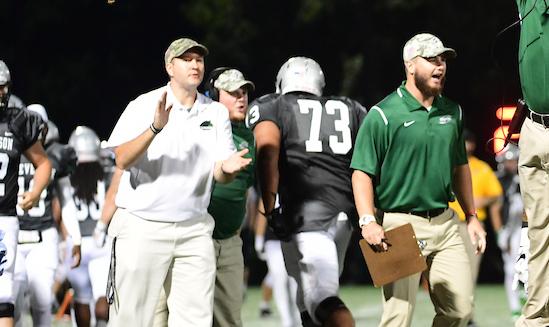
(365, 304)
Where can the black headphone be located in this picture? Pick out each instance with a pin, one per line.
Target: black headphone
(210, 90)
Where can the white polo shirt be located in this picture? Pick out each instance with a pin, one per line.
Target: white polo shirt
(172, 181)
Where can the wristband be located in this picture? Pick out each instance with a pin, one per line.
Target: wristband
(154, 129)
(365, 220)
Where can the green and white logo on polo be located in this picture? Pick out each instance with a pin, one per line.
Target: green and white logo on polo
(206, 125)
(443, 120)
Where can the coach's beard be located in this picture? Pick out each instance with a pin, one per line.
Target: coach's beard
(422, 84)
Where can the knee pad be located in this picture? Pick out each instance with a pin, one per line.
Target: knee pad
(327, 306)
(306, 320)
(6, 310)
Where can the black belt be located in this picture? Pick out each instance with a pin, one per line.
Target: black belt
(428, 213)
(540, 119)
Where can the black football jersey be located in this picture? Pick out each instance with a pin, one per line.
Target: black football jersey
(19, 130)
(317, 138)
(40, 217)
(88, 213)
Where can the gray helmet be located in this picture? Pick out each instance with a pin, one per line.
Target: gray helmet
(510, 152)
(5, 80)
(5, 76)
(86, 144)
(300, 74)
(53, 133)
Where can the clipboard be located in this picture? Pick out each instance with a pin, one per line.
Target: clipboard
(402, 259)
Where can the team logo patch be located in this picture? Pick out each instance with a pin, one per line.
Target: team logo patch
(242, 145)
(445, 119)
(206, 125)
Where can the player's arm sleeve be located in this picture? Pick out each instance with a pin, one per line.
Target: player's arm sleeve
(68, 209)
(27, 126)
(371, 143)
(260, 112)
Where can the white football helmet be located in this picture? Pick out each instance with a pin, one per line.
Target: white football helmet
(86, 144)
(300, 74)
(5, 80)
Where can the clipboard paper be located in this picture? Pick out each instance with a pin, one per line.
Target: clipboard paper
(402, 259)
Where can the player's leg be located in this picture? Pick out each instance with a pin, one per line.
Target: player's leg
(98, 270)
(534, 174)
(342, 237)
(190, 288)
(311, 258)
(20, 284)
(266, 295)
(143, 253)
(80, 282)
(399, 298)
(451, 285)
(509, 258)
(9, 227)
(284, 287)
(41, 264)
(228, 291)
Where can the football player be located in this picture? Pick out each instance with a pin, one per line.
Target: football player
(89, 187)
(20, 132)
(37, 251)
(304, 148)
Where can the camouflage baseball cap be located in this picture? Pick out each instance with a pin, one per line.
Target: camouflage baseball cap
(231, 80)
(425, 45)
(180, 46)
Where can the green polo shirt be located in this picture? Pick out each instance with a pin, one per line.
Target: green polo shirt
(534, 54)
(228, 202)
(410, 152)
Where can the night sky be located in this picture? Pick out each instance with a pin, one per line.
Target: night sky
(85, 60)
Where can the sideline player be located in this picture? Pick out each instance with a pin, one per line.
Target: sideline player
(37, 250)
(304, 148)
(20, 133)
(89, 280)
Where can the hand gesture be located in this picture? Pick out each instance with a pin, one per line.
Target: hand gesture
(236, 162)
(375, 236)
(100, 234)
(76, 256)
(28, 200)
(477, 234)
(162, 113)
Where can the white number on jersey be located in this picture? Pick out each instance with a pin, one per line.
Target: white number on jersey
(40, 209)
(4, 161)
(92, 209)
(314, 144)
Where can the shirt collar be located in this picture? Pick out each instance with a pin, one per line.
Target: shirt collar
(411, 102)
(177, 106)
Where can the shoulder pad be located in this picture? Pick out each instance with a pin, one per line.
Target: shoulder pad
(63, 158)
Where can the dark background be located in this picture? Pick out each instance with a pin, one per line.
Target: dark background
(84, 60)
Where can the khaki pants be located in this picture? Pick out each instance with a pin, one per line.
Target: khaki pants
(177, 258)
(534, 186)
(449, 273)
(228, 292)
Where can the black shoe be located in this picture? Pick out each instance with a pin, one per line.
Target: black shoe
(471, 323)
(265, 312)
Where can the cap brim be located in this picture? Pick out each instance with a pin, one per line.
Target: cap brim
(198, 48)
(250, 84)
(449, 53)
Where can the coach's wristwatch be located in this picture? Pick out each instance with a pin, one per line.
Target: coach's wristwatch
(365, 220)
